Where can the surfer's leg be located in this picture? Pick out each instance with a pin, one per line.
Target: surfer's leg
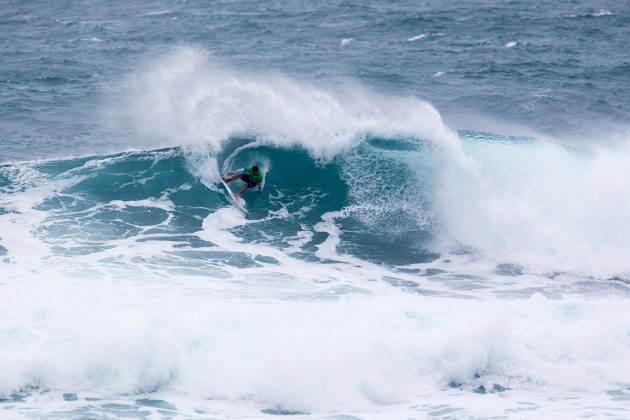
(245, 187)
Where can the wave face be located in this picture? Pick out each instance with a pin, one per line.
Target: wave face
(94, 203)
(389, 201)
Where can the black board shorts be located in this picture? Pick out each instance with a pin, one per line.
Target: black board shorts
(249, 181)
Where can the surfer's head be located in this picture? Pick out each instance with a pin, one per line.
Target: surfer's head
(255, 169)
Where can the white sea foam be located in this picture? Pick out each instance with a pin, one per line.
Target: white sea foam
(598, 13)
(158, 12)
(603, 12)
(185, 97)
(417, 37)
(345, 41)
(543, 205)
(511, 44)
(357, 353)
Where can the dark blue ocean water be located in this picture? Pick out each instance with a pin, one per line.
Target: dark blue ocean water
(443, 229)
(559, 67)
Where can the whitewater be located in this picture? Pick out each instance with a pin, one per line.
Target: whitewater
(418, 251)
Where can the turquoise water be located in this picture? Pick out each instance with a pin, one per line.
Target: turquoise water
(443, 230)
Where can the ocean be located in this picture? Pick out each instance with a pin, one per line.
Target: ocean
(443, 231)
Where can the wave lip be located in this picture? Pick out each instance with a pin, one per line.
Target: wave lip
(185, 97)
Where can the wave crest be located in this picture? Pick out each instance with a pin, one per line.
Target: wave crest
(187, 97)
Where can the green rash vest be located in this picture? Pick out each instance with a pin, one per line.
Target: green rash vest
(248, 170)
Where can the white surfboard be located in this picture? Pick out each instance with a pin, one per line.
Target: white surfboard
(233, 198)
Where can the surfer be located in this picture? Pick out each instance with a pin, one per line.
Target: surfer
(250, 175)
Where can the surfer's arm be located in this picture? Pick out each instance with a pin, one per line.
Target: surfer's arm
(232, 175)
(236, 172)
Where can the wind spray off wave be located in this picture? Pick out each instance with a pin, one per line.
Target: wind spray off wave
(187, 97)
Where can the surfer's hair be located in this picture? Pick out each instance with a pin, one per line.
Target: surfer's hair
(254, 168)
